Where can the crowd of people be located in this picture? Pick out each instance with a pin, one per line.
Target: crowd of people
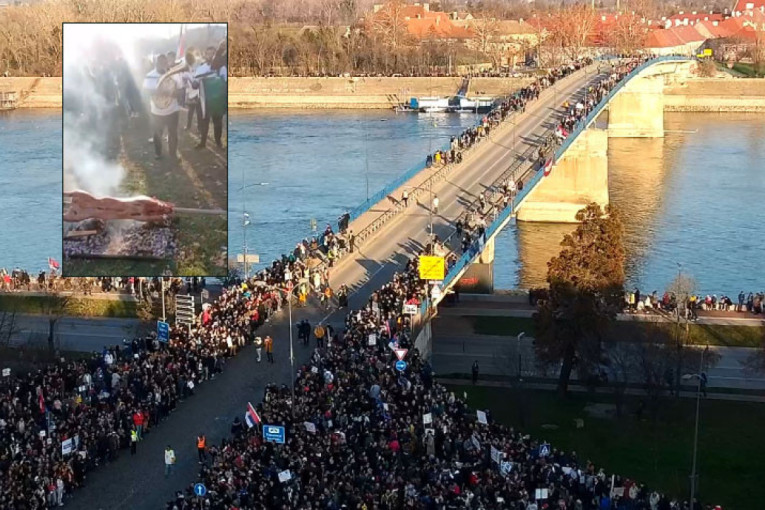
(670, 302)
(360, 434)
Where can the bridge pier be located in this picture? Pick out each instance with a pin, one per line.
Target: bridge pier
(579, 178)
(637, 111)
(479, 276)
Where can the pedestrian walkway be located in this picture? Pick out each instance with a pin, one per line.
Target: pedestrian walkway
(552, 386)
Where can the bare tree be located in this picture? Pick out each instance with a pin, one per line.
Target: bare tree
(8, 327)
(389, 24)
(572, 27)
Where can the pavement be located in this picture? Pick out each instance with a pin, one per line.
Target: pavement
(455, 347)
(509, 306)
(73, 333)
(140, 483)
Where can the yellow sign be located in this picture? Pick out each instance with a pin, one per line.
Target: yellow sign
(431, 268)
(708, 52)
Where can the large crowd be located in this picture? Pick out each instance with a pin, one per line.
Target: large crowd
(361, 436)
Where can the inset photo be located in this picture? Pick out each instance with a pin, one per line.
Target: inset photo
(145, 142)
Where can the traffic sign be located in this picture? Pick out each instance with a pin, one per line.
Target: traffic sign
(432, 268)
(400, 353)
(184, 310)
(200, 489)
(401, 365)
(544, 450)
(163, 331)
(274, 433)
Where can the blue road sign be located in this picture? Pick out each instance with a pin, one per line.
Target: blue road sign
(163, 331)
(401, 365)
(200, 489)
(274, 433)
(544, 450)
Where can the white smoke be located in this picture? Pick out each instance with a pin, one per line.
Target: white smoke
(90, 126)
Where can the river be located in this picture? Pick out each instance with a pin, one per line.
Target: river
(691, 201)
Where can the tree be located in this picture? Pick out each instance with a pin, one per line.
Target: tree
(572, 26)
(627, 34)
(586, 286)
(682, 287)
(389, 25)
(8, 327)
(485, 27)
(54, 307)
(755, 362)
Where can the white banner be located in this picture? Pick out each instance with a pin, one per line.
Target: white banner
(285, 476)
(427, 418)
(310, 427)
(481, 417)
(496, 455)
(67, 446)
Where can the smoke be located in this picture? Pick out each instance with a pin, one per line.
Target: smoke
(91, 116)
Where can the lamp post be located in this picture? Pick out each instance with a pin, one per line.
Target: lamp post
(289, 291)
(700, 379)
(245, 220)
(520, 375)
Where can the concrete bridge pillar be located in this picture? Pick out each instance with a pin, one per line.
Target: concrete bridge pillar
(579, 178)
(637, 111)
(479, 276)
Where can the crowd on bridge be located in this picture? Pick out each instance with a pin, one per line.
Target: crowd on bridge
(360, 434)
(367, 443)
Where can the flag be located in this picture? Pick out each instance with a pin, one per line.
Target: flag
(549, 166)
(52, 264)
(253, 413)
(41, 400)
(181, 45)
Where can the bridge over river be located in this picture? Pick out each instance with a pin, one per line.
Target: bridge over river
(388, 235)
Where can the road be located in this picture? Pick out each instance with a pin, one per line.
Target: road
(74, 333)
(139, 483)
(455, 349)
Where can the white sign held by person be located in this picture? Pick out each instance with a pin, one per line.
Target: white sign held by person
(505, 467)
(372, 339)
(67, 446)
(541, 494)
(6, 372)
(410, 309)
(285, 476)
(427, 418)
(481, 417)
(310, 427)
(496, 455)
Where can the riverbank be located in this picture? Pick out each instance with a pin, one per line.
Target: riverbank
(695, 95)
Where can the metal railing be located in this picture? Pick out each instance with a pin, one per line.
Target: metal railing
(476, 247)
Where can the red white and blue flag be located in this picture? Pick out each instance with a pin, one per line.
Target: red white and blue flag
(549, 166)
(53, 264)
(252, 414)
(179, 54)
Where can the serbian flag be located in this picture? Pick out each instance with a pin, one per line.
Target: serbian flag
(179, 54)
(252, 413)
(549, 166)
(52, 264)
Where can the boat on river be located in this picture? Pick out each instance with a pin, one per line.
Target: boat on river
(454, 104)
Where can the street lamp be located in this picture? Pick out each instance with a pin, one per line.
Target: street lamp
(700, 379)
(520, 335)
(245, 220)
(289, 291)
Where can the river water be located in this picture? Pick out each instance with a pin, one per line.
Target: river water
(691, 201)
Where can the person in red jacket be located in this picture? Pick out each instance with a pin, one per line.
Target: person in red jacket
(138, 422)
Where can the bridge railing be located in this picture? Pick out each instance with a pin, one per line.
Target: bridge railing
(476, 247)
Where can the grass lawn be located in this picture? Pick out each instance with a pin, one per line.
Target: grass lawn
(78, 307)
(658, 454)
(748, 70)
(700, 334)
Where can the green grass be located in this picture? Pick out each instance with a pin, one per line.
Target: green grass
(77, 307)
(658, 453)
(748, 70)
(700, 334)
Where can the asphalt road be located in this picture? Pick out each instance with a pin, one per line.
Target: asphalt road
(497, 355)
(74, 333)
(139, 483)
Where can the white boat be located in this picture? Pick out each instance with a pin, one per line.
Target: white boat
(429, 104)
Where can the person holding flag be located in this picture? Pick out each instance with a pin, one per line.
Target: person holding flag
(252, 417)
